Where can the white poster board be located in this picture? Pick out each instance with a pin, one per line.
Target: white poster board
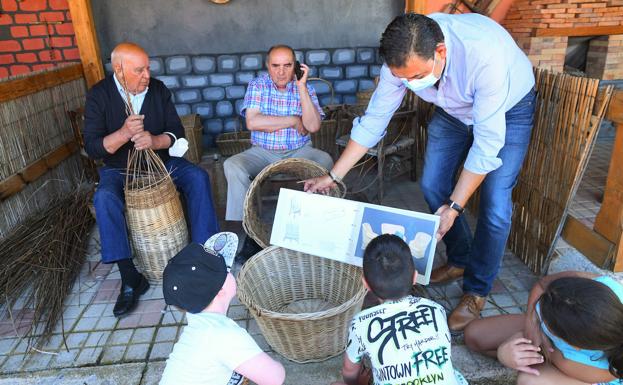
(340, 229)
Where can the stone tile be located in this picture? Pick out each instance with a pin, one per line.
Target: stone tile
(106, 323)
(161, 350)
(76, 340)
(502, 300)
(167, 333)
(94, 310)
(22, 347)
(521, 296)
(490, 312)
(7, 345)
(261, 342)
(73, 311)
(238, 312)
(136, 352)
(143, 335)
(38, 361)
(65, 358)
(113, 354)
(89, 356)
(13, 363)
(253, 327)
(54, 343)
(86, 324)
(153, 373)
(120, 337)
(97, 339)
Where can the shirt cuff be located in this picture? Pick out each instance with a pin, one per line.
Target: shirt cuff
(481, 164)
(100, 150)
(363, 136)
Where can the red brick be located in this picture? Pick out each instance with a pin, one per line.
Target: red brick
(593, 5)
(59, 4)
(68, 15)
(33, 44)
(4, 73)
(65, 29)
(9, 46)
(38, 67)
(39, 30)
(50, 55)
(26, 57)
(7, 59)
(33, 5)
(61, 41)
(564, 16)
(19, 31)
(559, 6)
(52, 16)
(19, 69)
(71, 54)
(9, 5)
(5, 19)
(608, 23)
(26, 18)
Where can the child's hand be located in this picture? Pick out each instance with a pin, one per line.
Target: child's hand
(519, 353)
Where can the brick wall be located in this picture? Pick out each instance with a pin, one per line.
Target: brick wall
(35, 34)
(213, 86)
(526, 18)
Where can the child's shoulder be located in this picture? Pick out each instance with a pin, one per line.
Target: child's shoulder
(403, 306)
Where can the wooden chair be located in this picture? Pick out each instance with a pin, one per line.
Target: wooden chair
(397, 147)
(76, 118)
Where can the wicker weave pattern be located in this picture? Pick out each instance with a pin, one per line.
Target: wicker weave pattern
(295, 167)
(232, 143)
(193, 131)
(154, 214)
(277, 280)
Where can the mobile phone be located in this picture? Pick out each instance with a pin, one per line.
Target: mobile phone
(298, 72)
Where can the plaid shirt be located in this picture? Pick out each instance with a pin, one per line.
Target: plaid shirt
(263, 95)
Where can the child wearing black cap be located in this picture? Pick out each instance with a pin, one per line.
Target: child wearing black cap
(406, 338)
(212, 349)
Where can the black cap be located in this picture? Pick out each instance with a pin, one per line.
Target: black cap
(193, 278)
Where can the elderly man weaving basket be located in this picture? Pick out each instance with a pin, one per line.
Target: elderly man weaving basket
(109, 134)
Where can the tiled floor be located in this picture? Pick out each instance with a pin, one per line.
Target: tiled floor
(90, 336)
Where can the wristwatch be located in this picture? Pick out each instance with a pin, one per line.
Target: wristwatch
(455, 206)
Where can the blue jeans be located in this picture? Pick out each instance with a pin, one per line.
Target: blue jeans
(448, 143)
(191, 181)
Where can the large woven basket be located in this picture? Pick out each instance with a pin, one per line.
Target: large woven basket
(156, 221)
(303, 304)
(232, 143)
(193, 131)
(298, 168)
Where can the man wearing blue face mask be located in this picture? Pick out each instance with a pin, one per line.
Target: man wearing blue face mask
(482, 85)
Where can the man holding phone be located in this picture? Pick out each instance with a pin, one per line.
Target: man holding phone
(281, 110)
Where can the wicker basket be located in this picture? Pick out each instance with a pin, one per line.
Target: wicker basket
(155, 218)
(303, 304)
(193, 131)
(295, 167)
(232, 143)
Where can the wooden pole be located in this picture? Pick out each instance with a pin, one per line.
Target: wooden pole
(84, 27)
(417, 6)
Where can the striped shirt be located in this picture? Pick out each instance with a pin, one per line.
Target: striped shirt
(262, 94)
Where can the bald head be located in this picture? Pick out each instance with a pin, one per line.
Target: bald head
(131, 65)
(126, 50)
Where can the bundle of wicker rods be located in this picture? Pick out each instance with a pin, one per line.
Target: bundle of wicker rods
(39, 261)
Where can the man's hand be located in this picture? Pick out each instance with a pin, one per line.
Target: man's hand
(446, 220)
(300, 128)
(321, 184)
(302, 82)
(133, 125)
(143, 140)
(520, 353)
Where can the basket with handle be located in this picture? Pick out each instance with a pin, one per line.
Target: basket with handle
(297, 168)
(232, 143)
(303, 304)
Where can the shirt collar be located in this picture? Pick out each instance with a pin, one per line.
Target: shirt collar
(446, 41)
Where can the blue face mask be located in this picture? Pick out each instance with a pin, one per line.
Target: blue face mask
(423, 83)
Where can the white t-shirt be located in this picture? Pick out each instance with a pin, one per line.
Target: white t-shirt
(407, 341)
(209, 349)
